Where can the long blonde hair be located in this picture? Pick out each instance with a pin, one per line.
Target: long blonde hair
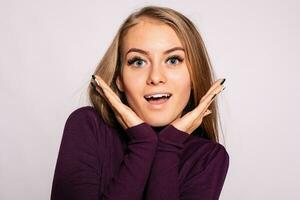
(198, 62)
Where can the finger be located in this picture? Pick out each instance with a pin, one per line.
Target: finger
(207, 101)
(101, 92)
(200, 117)
(101, 83)
(96, 88)
(116, 102)
(217, 83)
(207, 113)
(214, 87)
(111, 96)
(208, 98)
(213, 98)
(199, 111)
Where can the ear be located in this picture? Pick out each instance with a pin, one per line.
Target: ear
(119, 84)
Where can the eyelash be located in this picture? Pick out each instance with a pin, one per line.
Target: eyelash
(138, 58)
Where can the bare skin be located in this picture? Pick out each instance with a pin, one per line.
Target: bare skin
(187, 123)
(154, 61)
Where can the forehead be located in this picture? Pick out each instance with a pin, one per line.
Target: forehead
(151, 35)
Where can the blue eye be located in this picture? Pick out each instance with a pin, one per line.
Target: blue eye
(135, 59)
(174, 58)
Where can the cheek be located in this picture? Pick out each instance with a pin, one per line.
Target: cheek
(182, 80)
(133, 85)
(184, 90)
(182, 87)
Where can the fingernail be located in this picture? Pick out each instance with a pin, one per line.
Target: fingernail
(223, 81)
(94, 77)
(223, 89)
(93, 85)
(214, 96)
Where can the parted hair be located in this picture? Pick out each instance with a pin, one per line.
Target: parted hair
(198, 63)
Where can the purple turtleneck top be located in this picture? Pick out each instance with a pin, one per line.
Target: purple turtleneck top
(97, 162)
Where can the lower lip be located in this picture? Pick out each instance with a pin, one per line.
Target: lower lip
(158, 103)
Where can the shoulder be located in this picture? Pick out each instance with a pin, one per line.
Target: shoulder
(196, 142)
(205, 152)
(85, 120)
(218, 154)
(83, 112)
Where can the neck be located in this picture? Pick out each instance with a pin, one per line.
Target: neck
(157, 129)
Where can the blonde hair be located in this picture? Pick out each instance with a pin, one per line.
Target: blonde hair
(198, 62)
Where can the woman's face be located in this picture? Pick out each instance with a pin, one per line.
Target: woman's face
(149, 68)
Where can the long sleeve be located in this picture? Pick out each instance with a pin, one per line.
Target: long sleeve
(135, 168)
(204, 181)
(164, 180)
(78, 172)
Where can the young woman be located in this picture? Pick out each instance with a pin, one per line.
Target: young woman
(151, 132)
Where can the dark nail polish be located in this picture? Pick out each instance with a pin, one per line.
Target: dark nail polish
(223, 81)
(93, 86)
(93, 76)
(214, 96)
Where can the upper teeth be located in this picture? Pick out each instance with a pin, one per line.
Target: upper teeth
(158, 95)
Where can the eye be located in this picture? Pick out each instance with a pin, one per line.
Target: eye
(175, 58)
(136, 59)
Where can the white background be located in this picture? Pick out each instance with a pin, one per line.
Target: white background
(49, 49)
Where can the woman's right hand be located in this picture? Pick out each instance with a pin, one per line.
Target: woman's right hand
(124, 114)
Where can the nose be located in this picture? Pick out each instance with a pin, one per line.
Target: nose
(156, 75)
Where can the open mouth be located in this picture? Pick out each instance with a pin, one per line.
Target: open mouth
(158, 99)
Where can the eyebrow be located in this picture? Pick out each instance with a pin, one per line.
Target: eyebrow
(147, 53)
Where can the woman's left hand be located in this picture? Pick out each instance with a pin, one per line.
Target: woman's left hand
(125, 115)
(191, 120)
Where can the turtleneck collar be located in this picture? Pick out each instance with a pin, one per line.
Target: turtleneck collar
(157, 129)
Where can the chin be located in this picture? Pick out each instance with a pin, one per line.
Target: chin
(156, 124)
(159, 118)
(159, 121)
